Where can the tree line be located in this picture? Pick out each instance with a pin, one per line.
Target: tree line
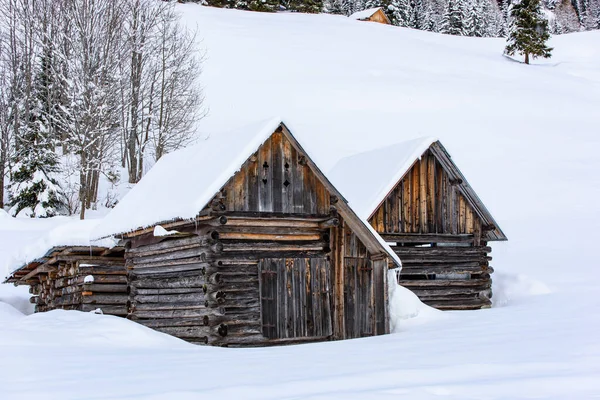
(86, 87)
(456, 17)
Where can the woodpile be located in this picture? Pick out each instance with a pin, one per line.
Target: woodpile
(77, 278)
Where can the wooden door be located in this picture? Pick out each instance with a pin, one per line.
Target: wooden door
(358, 298)
(295, 297)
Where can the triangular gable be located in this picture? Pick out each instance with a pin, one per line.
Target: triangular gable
(379, 171)
(173, 191)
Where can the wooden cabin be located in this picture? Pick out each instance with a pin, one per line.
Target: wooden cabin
(83, 278)
(373, 15)
(416, 198)
(255, 247)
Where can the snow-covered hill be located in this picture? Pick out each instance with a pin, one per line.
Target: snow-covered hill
(526, 137)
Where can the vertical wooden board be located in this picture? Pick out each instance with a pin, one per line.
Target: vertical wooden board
(282, 310)
(462, 214)
(454, 208)
(230, 195)
(337, 260)
(310, 206)
(477, 231)
(277, 171)
(291, 313)
(265, 199)
(423, 194)
(448, 204)
(349, 297)
(439, 198)
(369, 299)
(359, 298)
(347, 242)
(431, 217)
(288, 177)
(406, 222)
(298, 183)
(381, 220)
(353, 247)
(253, 181)
(322, 198)
(328, 304)
(316, 296)
(308, 294)
(378, 296)
(469, 220)
(396, 209)
(296, 300)
(324, 293)
(268, 274)
(415, 199)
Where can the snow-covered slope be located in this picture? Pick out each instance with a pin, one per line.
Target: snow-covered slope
(525, 136)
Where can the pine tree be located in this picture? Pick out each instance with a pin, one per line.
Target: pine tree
(528, 31)
(33, 184)
(453, 20)
(399, 12)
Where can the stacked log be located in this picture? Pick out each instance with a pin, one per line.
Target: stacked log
(448, 277)
(204, 287)
(90, 283)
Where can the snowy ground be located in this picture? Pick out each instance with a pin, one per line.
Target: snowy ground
(526, 137)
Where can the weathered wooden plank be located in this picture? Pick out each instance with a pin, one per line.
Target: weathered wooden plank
(423, 195)
(265, 200)
(298, 182)
(308, 298)
(427, 238)
(253, 183)
(277, 171)
(288, 178)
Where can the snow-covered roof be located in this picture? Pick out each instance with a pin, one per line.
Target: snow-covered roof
(72, 233)
(365, 179)
(365, 14)
(182, 183)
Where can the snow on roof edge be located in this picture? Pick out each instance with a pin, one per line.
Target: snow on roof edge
(418, 152)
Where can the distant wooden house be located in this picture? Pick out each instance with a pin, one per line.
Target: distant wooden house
(76, 277)
(255, 246)
(415, 197)
(373, 15)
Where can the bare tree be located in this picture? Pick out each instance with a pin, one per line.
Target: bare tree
(161, 96)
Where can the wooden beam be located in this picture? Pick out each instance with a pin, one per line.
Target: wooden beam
(42, 268)
(426, 238)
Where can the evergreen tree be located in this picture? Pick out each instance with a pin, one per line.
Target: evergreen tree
(453, 20)
(33, 185)
(528, 31)
(399, 12)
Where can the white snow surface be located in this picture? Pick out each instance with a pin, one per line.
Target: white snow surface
(364, 14)
(72, 233)
(160, 231)
(365, 179)
(525, 136)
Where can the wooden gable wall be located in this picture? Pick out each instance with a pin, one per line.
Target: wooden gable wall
(426, 201)
(276, 179)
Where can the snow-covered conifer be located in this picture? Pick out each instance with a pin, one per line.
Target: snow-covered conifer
(528, 31)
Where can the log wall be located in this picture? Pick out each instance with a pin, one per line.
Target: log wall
(250, 281)
(62, 284)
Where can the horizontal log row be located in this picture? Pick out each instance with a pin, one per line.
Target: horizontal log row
(205, 289)
(448, 278)
(68, 286)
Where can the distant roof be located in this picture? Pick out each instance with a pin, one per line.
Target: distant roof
(182, 183)
(365, 179)
(365, 14)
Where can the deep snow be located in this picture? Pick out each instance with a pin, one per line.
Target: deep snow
(526, 138)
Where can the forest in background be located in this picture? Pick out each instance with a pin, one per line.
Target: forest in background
(487, 18)
(88, 87)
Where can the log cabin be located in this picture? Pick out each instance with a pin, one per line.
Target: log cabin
(241, 240)
(373, 15)
(417, 199)
(74, 274)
